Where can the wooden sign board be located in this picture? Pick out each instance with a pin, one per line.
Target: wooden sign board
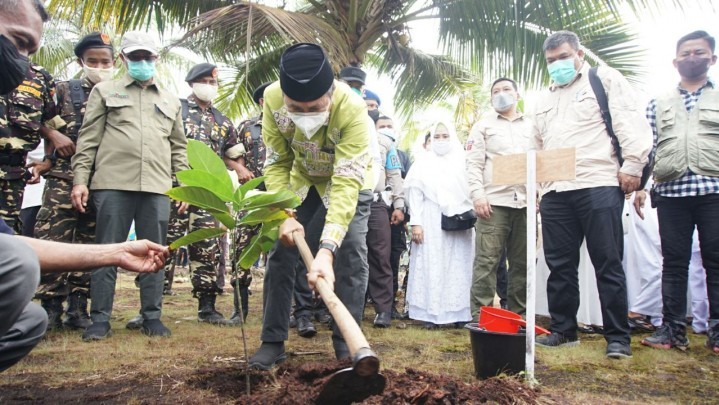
(552, 165)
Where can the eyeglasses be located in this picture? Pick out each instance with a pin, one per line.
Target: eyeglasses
(141, 57)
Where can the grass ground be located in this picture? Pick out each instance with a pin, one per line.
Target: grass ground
(193, 366)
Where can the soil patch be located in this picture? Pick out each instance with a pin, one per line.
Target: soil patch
(287, 384)
(293, 385)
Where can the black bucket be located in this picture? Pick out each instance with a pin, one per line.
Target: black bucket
(495, 353)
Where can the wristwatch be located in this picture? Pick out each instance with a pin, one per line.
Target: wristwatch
(329, 246)
(52, 158)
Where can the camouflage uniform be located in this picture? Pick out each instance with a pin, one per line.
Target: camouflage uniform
(57, 220)
(22, 113)
(250, 134)
(203, 256)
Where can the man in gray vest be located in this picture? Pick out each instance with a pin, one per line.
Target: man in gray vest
(685, 122)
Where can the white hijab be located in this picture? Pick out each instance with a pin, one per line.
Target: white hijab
(442, 178)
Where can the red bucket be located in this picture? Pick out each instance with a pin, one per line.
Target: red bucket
(500, 320)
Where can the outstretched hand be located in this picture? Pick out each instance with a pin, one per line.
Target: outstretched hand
(142, 256)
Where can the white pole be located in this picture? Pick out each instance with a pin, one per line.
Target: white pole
(531, 262)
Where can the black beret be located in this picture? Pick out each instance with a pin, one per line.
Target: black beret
(260, 92)
(201, 70)
(94, 40)
(353, 74)
(305, 72)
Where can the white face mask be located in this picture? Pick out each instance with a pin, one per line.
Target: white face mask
(441, 146)
(503, 102)
(388, 132)
(97, 75)
(309, 123)
(205, 92)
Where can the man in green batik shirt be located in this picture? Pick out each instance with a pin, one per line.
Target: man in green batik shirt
(317, 139)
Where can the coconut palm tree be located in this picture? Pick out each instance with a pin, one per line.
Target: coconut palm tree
(478, 38)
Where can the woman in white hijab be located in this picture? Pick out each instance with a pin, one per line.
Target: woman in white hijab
(440, 262)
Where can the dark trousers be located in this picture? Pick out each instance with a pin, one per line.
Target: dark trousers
(399, 245)
(379, 239)
(567, 218)
(28, 217)
(677, 218)
(115, 212)
(350, 267)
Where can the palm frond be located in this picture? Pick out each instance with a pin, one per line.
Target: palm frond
(421, 79)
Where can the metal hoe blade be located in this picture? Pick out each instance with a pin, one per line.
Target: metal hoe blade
(346, 386)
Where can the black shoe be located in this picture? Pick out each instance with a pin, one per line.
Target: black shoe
(341, 350)
(383, 320)
(619, 350)
(305, 327)
(429, 325)
(398, 315)
(670, 334)
(135, 323)
(323, 316)
(97, 331)
(293, 322)
(77, 316)
(557, 339)
(206, 311)
(53, 307)
(269, 355)
(154, 327)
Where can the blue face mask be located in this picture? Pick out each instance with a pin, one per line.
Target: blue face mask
(141, 70)
(562, 71)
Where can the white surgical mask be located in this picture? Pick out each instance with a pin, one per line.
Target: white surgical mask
(441, 147)
(97, 75)
(388, 132)
(205, 92)
(309, 123)
(502, 102)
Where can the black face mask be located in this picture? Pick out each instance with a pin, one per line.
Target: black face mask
(13, 66)
(374, 114)
(693, 67)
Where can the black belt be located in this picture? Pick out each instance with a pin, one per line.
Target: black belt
(12, 159)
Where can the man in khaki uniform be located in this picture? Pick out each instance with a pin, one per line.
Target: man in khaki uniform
(501, 209)
(590, 206)
(133, 139)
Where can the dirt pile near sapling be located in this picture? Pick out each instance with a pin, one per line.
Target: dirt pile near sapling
(292, 384)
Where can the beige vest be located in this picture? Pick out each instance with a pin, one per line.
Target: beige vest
(687, 140)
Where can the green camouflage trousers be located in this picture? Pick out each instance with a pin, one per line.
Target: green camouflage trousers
(243, 236)
(203, 256)
(11, 192)
(57, 220)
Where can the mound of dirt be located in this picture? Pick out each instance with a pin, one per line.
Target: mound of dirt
(302, 385)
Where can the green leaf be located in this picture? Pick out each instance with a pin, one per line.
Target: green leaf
(199, 197)
(202, 157)
(206, 180)
(251, 253)
(226, 219)
(263, 215)
(196, 236)
(250, 185)
(281, 199)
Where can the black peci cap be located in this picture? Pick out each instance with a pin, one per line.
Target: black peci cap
(353, 74)
(94, 40)
(305, 72)
(201, 70)
(260, 92)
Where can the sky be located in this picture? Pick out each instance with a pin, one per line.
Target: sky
(657, 33)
